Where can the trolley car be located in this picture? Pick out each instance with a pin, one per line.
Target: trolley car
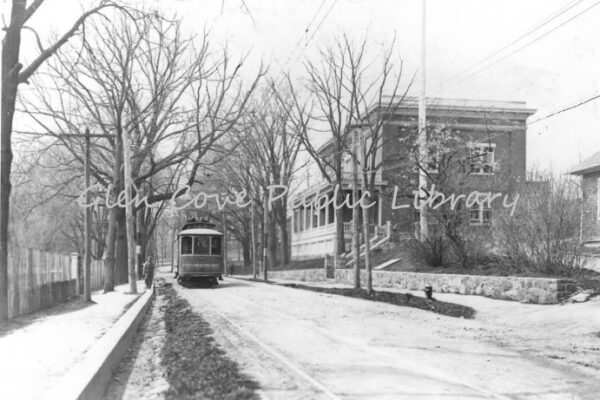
(199, 253)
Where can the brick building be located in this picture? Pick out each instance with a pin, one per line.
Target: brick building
(490, 156)
(589, 171)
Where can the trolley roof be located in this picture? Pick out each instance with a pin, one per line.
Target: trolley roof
(200, 231)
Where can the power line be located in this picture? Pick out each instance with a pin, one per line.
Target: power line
(322, 20)
(549, 19)
(305, 31)
(278, 80)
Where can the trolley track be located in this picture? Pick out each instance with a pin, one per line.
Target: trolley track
(253, 311)
(359, 346)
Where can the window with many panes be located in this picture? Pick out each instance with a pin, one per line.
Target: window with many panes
(480, 214)
(481, 158)
(308, 217)
(301, 219)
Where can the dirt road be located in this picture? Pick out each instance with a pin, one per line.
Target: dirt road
(305, 345)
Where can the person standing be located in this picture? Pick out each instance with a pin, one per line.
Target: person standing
(148, 272)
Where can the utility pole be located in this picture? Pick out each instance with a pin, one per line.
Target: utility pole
(253, 241)
(422, 135)
(355, 211)
(87, 294)
(224, 247)
(131, 267)
(87, 258)
(366, 220)
(265, 237)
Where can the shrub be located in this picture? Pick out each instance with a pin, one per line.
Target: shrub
(432, 251)
(543, 234)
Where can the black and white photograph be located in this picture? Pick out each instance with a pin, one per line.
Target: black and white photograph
(300, 200)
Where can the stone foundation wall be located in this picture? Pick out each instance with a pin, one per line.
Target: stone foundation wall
(303, 275)
(527, 290)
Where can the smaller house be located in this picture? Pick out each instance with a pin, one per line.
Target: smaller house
(589, 170)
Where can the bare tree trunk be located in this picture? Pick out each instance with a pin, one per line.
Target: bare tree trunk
(140, 223)
(273, 242)
(113, 220)
(121, 247)
(265, 243)
(246, 254)
(11, 45)
(129, 217)
(8, 106)
(367, 250)
(339, 230)
(355, 214)
(285, 242)
(109, 262)
(365, 212)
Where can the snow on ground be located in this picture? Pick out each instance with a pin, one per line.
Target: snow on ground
(301, 344)
(41, 347)
(140, 375)
(566, 333)
(304, 345)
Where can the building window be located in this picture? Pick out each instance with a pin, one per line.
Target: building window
(480, 214)
(295, 220)
(481, 158)
(347, 165)
(322, 215)
(300, 219)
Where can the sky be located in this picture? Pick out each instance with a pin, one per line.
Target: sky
(553, 72)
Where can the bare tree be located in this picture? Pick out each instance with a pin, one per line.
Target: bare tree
(14, 74)
(272, 145)
(174, 99)
(453, 240)
(543, 234)
(346, 92)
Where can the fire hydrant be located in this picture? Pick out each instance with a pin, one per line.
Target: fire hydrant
(429, 292)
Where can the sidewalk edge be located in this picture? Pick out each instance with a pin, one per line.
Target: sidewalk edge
(89, 378)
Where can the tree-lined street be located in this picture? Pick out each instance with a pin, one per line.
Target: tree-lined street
(341, 199)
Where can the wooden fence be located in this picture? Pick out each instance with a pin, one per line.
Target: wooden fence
(39, 280)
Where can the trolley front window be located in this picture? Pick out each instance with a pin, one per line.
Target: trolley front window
(215, 247)
(201, 245)
(186, 245)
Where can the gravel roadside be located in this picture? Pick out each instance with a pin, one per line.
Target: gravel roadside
(140, 374)
(176, 357)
